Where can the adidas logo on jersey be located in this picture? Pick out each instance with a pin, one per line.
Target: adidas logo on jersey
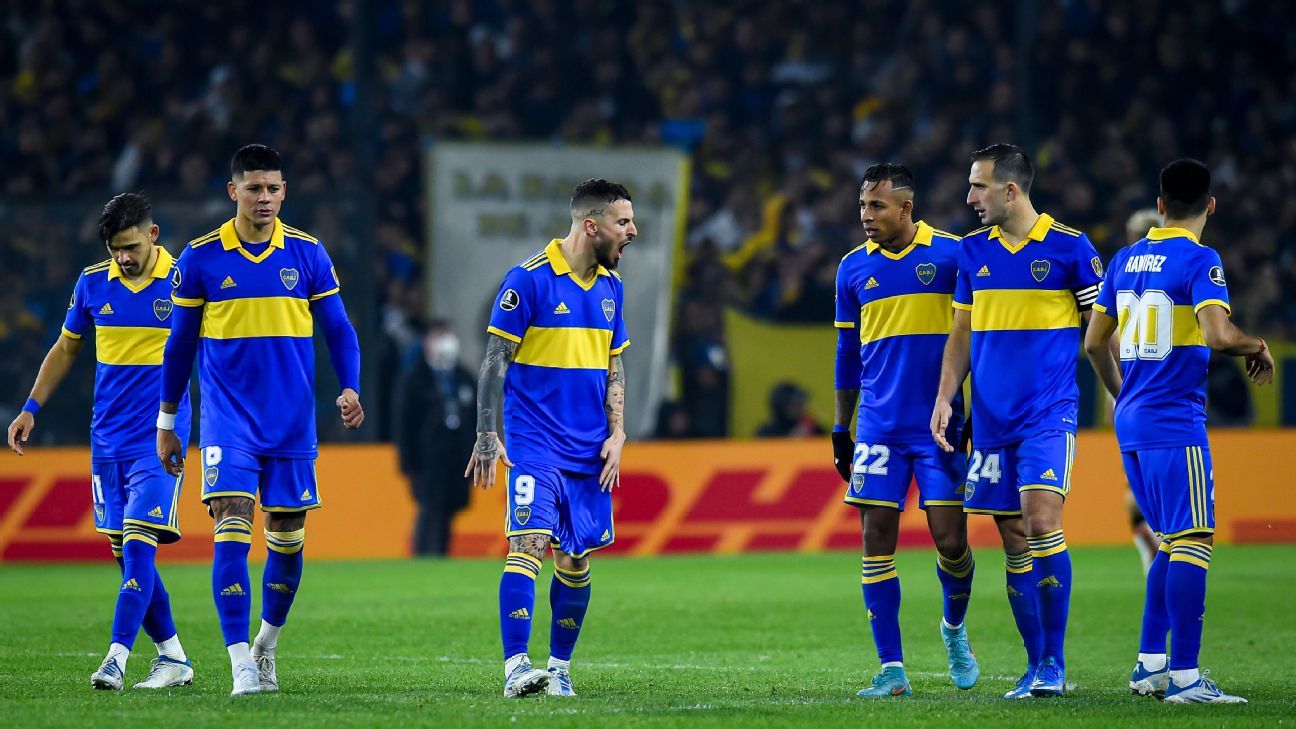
(562, 308)
(871, 283)
(1049, 475)
(306, 495)
(107, 309)
(569, 623)
(279, 587)
(520, 614)
(156, 513)
(1049, 581)
(131, 584)
(228, 283)
(985, 271)
(606, 536)
(233, 590)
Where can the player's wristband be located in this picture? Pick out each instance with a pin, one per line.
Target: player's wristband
(32, 406)
(839, 428)
(166, 421)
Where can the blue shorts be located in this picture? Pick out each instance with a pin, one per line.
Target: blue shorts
(1175, 489)
(283, 484)
(881, 474)
(569, 507)
(997, 476)
(139, 492)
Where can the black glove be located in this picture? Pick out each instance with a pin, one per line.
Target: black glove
(843, 453)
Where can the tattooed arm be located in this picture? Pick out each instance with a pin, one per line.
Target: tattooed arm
(614, 405)
(490, 401)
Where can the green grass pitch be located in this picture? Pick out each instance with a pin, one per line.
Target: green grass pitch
(759, 640)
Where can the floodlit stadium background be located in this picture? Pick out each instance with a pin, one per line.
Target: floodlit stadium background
(431, 145)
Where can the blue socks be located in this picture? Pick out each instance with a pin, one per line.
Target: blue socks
(139, 548)
(956, 585)
(158, 623)
(231, 586)
(1185, 597)
(282, 576)
(1156, 621)
(1023, 598)
(517, 601)
(881, 586)
(1052, 575)
(569, 597)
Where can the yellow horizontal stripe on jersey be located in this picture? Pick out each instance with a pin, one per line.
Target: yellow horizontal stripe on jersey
(896, 316)
(1023, 309)
(130, 345)
(1187, 332)
(1214, 302)
(566, 347)
(270, 316)
(181, 301)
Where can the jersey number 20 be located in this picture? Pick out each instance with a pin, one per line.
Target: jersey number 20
(1146, 324)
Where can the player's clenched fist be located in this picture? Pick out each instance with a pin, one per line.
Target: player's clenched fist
(481, 465)
(352, 411)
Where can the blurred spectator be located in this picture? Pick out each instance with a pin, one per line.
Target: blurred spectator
(436, 418)
(672, 422)
(1228, 397)
(788, 416)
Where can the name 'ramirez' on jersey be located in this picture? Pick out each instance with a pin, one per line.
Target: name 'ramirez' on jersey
(567, 330)
(900, 305)
(1025, 301)
(1154, 289)
(256, 309)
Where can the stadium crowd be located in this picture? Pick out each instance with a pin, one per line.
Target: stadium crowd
(781, 105)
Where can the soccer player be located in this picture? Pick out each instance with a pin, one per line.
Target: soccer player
(893, 316)
(1024, 282)
(247, 296)
(553, 362)
(126, 302)
(1167, 297)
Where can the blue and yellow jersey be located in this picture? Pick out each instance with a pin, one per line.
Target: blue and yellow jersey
(1154, 289)
(899, 303)
(1025, 301)
(567, 330)
(131, 323)
(256, 364)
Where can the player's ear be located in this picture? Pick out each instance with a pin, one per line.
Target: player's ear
(1161, 206)
(154, 231)
(1012, 190)
(1210, 207)
(233, 190)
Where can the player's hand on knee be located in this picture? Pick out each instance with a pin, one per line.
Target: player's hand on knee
(940, 421)
(352, 411)
(170, 452)
(20, 430)
(610, 477)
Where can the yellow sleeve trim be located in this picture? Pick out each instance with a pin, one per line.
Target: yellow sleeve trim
(962, 307)
(844, 324)
(1212, 302)
(70, 335)
(501, 333)
(330, 292)
(620, 349)
(1099, 308)
(180, 301)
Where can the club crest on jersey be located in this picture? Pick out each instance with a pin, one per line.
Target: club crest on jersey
(162, 309)
(210, 474)
(289, 276)
(609, 308)
(1096, 262)
(522, 515)
(509, 300)
(857, 482)
(1216, 275)
(969, 489)
(926, 272)
(1040, 270)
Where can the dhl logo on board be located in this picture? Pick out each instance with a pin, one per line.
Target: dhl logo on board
(719, 497)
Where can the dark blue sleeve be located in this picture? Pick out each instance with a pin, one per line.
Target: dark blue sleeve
(849, 365)
(343, 345)
(180, 352)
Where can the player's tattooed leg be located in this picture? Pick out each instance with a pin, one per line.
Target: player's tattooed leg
(532, 544)
(224, 507)
(285, 521)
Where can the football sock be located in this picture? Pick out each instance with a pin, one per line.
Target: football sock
(239, 653)
(569, 596)
(1153, 661)
(1185, 677)
(280, 580)
(171, 648)
(956, 585)
(881, 586)
(1156, 621)
(1186, 602)
(158, 622)
(1023, 598)
(1051, 571)
(517, 601)
(119, 652)
(230, 581)
(139, 547)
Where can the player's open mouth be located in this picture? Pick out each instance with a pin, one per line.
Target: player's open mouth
(870, 232)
